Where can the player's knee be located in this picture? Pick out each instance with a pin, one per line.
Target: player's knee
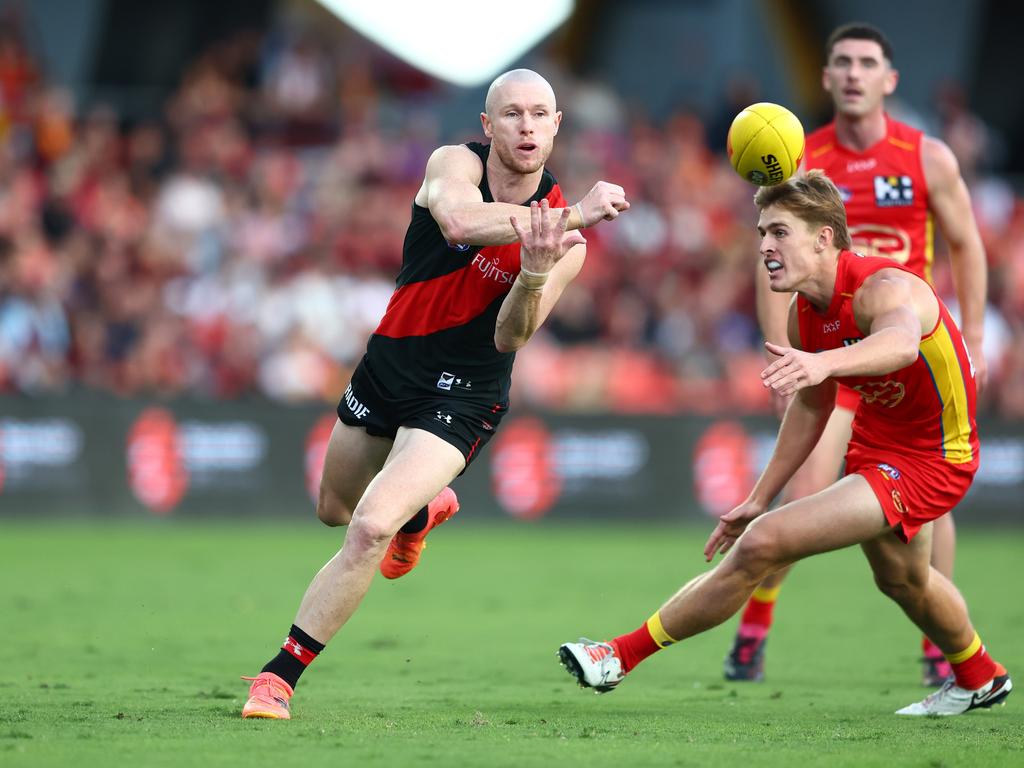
(759, 551)
(366, 533)
(898, 588)
(331, 510)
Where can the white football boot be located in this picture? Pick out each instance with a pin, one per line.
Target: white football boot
(951, 699)
(594, 665)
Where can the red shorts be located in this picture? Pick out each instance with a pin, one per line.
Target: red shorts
(847, 398)
(913, 490)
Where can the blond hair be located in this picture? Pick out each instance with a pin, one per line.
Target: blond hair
(812, 198)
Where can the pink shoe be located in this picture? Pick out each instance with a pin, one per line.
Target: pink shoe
(405, 548)
(268, 697)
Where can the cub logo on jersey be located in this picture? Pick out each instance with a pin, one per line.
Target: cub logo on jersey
(893, 191)
(888, 394)
(880, 240)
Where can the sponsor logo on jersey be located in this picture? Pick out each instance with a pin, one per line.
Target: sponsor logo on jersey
(893, 191)
(459, 247)
(358, 409)
(492, 270)
(444, 418)
(859, 166)
(830, 327)
(446, 380)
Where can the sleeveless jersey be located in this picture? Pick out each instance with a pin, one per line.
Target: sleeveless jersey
(926, 408)
(437, 335)
(885, 193)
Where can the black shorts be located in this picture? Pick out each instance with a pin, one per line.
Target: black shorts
(466, 424)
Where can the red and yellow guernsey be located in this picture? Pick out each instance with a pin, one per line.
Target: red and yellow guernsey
(924, 411)
(885, 193)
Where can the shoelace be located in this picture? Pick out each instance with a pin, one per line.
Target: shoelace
(933, 697)
(266, 687)
(599, 653)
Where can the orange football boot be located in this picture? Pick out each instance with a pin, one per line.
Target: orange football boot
(405, 548)
(268, 697)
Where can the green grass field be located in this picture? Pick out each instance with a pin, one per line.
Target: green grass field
(122, 645)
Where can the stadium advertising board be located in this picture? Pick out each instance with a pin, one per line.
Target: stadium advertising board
(94, 455)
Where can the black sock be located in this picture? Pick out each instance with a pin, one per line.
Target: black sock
(297, 652)
(418, 523)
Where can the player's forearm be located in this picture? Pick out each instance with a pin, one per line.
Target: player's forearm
(800, 431)
(518, 317)
(883, 351)
(970, 275)
(488, 223)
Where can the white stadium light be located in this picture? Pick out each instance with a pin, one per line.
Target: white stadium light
(462, 41)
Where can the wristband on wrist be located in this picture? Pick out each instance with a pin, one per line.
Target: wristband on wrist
(532, 281)
(579, 210)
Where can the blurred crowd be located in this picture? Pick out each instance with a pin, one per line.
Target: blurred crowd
(246, 240)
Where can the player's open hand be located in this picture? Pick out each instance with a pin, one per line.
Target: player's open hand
(730, 526)
(546, 241)
(604, 201)
(793, 371)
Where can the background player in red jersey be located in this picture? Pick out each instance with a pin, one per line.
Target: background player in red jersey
(895, 182)
(913, 453)
(434, 383)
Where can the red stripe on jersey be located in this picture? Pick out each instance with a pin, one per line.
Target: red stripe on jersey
(422, 308)
(454, 299)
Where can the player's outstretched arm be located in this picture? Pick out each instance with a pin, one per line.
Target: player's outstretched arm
(550, 258)
(950, 204)
(451, 191)
(801, 428)
(894, 309)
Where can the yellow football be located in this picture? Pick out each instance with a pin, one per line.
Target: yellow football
(765, 143)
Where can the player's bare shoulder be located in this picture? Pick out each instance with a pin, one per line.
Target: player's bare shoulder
(941, 168)
(889, 290)
(450, 162)
(885, 286)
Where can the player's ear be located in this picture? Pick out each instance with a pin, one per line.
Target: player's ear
(892, 79)
(558, 121)
(485, 121)
(825, 237)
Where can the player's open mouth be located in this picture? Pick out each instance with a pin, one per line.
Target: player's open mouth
(773, 265)
(526, 147)
(852, 93)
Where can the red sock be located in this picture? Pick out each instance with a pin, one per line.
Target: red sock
(634, 647)
(757, 616)
(973, 667)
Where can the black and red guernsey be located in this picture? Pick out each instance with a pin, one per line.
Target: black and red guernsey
(437, 335)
